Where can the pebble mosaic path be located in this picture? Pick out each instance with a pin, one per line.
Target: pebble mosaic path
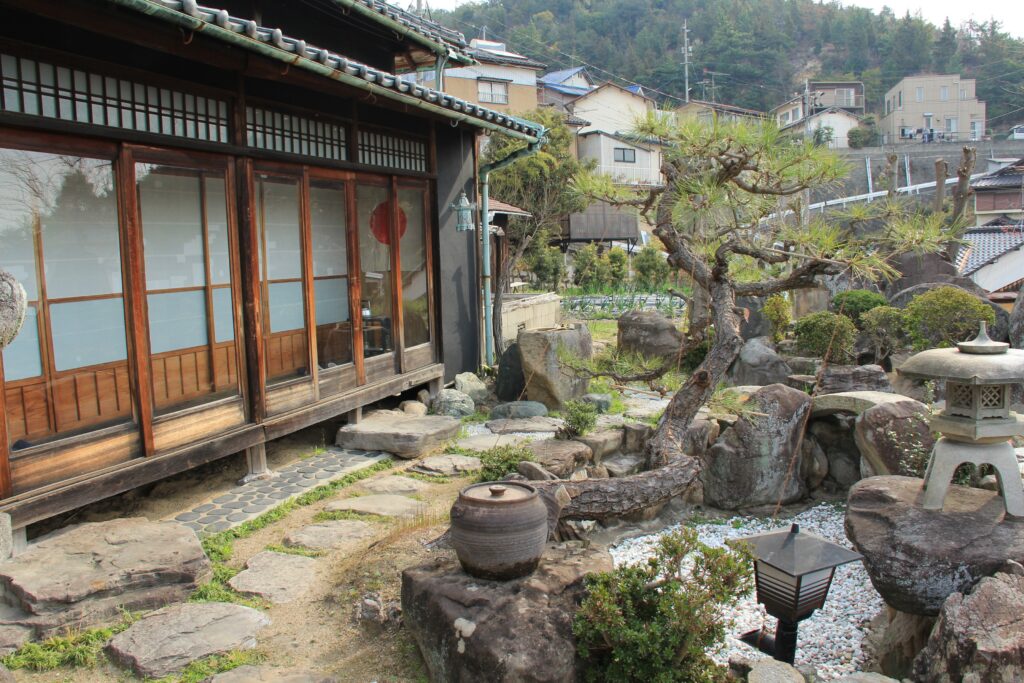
(250, 500)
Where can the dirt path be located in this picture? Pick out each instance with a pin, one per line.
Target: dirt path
(319, 631)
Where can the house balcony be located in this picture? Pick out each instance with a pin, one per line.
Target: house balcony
(623, 175)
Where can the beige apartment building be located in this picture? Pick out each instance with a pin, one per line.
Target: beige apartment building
(933, 108)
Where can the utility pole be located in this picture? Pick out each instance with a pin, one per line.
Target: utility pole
(686, 61)
(713, 86)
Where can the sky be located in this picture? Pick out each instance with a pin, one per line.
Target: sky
(1010, 13)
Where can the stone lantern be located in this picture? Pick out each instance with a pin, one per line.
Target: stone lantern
(976, 423)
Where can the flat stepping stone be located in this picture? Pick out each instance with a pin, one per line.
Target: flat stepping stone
(405, 436)
(485, 442)
(330, 535)
(447, 465)
(528, 425)
(267, 674)
(168, 640)
(395, 484)
(277, 577)
(561, 457)
(383, 504)
(623, 465)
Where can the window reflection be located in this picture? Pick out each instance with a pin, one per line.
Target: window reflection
(374, 210)
(413, 251)
(328, 206)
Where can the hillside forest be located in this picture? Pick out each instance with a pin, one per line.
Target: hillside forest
(758, 51)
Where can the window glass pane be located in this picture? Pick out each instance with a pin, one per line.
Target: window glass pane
(88, 333)
(172, 227)
(278, 216)
(223, 322)
(413, 253)
(21, 200)
(21, 357)
(177, 320)
(217, 228)
(286, 307)
(79, 224)
(328, 217)
(373, 208)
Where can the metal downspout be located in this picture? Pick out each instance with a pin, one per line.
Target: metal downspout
(485, 176)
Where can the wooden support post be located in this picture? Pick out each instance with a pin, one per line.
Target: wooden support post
(19, 538)
(256, 460)
(435, 386)
(354, 417)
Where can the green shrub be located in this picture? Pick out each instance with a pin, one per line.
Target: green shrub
(651, 268)
(856, 302)
(592, 271)
(886, 327)
(580, 418)
(548, 265)
(944, 316)
(826, 335)
(655, 621)
(779, 314)
(618, 263)
(502, 460)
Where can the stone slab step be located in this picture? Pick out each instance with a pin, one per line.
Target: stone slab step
(277, 577)
(383, 504)
(330, 535)
(448, 465)
(400, 434)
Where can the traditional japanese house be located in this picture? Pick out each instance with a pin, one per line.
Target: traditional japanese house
(231, 223)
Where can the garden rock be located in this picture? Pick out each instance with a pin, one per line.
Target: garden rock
(414, 408)
(472, 386)
(623, 465)
(267, 674)
(998, 331)
(332, 534)
(517, 410)
(277, 577)
(405, 436)
(699, 435)
(853, 402)
(920, 269)
(749, 464)
(470, 629)
(603, 402)
(602, 443)
(978, 637)
(841, 378)
(447, 465)
(485, 442)
(376, 615)
(753, 322)
(917, 558)
(13, 303)
(453, 403)
(635, 436)
(561, 457)
(526, 425)
(168, 640)
(649, 334)
(542, 352)
(104, 568)
(510, 384)
(395, 483)
(866, 677)
(888, 434)
(534, 472)
(834, 434)
(814, 464)
(758, 364)
(382, 504)
(772, 671)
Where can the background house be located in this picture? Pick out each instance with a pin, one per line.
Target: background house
(834, 123)
(1000, 193)
(709, 112)
(991, 255)
(932, 107)
(820, 96)
(501, 79)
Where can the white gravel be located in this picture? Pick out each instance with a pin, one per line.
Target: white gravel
(831, 639)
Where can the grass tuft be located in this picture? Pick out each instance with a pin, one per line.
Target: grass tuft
(74, 648)
(203, 669)
(293, 550)
(218, 590)
(337, 515)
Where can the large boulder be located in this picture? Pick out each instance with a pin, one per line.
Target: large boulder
(837, 379)
(86, 575)
(855, 402)
(471, 630)
(759, 364)
(894, 438)
(999, 331)
(650, 334)
(542, 352)
(978, 637)
(453, 403)
(917, 558)
(472, 386)
(750, 464)
(933, 268)
(510, 384)
(834, 434)
(753, 323)
(400, 434)
(561, 457)
(517, 410)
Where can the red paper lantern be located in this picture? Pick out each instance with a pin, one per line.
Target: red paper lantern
(381, 218)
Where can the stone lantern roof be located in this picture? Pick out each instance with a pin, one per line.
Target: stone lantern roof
(977, 362)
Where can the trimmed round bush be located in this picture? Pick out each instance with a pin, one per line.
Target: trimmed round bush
(779, 314)
(945, 316)
(886, 327)
(826, 335)
(856, 302)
